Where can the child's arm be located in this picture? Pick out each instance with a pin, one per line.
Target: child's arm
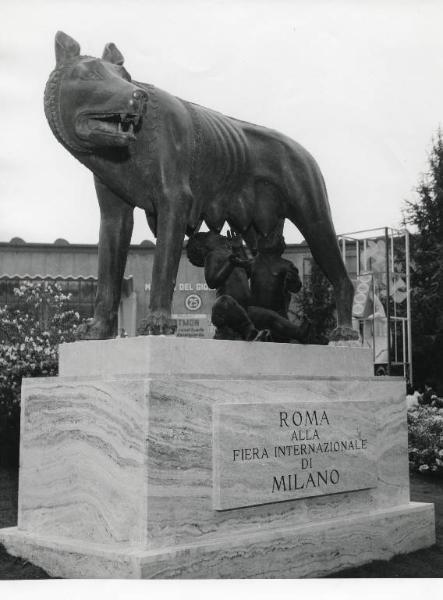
(218, 267)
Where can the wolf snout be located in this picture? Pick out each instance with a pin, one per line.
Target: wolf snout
(138, 101)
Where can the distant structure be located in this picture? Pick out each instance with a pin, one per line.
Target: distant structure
(74, 266)
(367, 255)
(379, 260)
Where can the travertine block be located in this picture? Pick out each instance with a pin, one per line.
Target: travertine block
(312, 550)
(155, 474)
(158, 355)
(276, 451)
(83, 460)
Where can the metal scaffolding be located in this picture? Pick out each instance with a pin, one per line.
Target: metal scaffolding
(378, 261)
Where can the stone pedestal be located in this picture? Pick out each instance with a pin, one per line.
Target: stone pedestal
(158, 457)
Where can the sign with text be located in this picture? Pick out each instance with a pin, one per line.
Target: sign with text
(271, 452)
(195, 325)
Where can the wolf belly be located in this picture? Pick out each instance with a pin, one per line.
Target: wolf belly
(220, 167)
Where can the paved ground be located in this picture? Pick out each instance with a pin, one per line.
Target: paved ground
(423, 563)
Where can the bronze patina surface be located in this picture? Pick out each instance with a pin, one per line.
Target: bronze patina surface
(182, 164)
(251, 311)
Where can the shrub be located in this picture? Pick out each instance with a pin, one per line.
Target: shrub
(425, 425)
(30, 331)
(425, 214)
(316, 302)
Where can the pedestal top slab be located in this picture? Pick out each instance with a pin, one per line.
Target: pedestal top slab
(159, 355)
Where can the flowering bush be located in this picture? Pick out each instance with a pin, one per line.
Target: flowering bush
(425, 424)
(30, 332)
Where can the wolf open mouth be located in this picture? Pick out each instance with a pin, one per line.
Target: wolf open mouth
(123, 125)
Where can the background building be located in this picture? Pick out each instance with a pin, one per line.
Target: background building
(74, 266)
(377, 261)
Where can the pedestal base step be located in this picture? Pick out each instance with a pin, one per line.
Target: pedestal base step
(302, 551)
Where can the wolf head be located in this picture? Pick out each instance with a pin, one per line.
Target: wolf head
(91, 103)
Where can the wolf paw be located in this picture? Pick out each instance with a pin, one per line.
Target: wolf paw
(94, 329)
(344, 336)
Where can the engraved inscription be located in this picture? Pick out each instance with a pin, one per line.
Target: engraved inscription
(268, 453)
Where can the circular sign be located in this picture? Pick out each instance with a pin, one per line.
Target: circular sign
(357, 310)
(363, 287)
(193, 302)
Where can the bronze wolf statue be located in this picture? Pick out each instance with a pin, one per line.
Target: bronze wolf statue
(182, 164)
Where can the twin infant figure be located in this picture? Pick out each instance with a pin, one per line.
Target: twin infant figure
(252, 295)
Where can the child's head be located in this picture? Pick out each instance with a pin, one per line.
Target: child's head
(200, 244)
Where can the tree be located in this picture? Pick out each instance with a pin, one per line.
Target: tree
(425, 213)
(30, 332)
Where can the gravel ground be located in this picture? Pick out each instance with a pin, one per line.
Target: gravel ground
(423, 563)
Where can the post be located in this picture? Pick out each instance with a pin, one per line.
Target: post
(388, 310)
(408, 307)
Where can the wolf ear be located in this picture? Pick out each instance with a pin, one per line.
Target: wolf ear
(112, 54)
(66, 48)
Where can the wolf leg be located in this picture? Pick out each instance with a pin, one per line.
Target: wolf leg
(171, 227)
(116, 223)
(315, 223)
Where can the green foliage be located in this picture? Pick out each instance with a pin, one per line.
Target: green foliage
(30, 332)
(318, 305)
(425, 213)
(425, 424)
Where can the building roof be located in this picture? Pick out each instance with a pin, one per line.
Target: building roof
(62, 245)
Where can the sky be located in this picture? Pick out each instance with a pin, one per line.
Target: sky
(358, 83)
